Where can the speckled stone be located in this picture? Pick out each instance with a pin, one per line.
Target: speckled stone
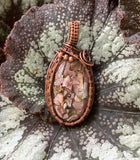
(70, 90)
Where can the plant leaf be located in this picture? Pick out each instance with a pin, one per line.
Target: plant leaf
(130, 20)
(112, 130)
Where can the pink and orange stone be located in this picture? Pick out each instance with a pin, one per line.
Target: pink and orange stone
(70, 90)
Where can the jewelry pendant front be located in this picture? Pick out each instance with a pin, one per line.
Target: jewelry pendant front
(69, 87)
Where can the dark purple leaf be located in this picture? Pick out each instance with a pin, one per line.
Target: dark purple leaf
(112, 129)
(130, 20)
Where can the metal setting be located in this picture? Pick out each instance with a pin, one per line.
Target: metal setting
(73, 33)
(69, 52)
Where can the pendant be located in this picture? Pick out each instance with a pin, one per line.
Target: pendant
(69, 86)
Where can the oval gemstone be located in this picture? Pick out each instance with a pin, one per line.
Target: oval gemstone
(70, 90)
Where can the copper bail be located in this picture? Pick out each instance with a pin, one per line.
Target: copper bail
(73, 33)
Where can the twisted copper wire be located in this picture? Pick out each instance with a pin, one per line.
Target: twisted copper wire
(73, 33)
(85, 58)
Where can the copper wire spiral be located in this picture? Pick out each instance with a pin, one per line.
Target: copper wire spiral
(73, 39)
(85, 58)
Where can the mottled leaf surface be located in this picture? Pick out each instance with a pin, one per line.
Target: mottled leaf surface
(112, 130)
(11, 11)
(130, 20)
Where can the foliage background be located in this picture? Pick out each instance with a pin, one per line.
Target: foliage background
(112, 130)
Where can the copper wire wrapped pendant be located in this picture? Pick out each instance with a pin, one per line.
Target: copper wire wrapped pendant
(69, 87)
